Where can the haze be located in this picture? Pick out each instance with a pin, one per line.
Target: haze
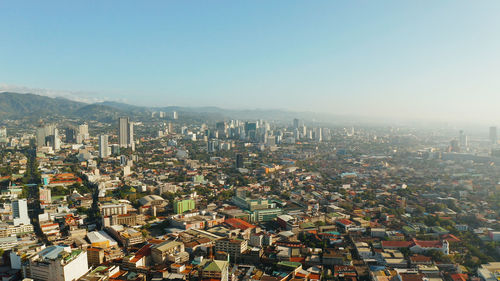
(434, 60)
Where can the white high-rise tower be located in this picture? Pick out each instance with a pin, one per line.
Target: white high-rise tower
(126, 133)
(103, 146)
(20, 212)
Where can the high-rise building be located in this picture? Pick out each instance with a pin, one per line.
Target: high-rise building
(296, 134)
(250, 126)
(20, 212)
(58, 263)
(3, 134)
(239, 161)
(57, 141)
(131, 142)
(318, 134)
(71, 134)
(103, 146)
(47, 135)
(115, 149)
(454, 146)
(221, 128)
(211, 146)
(296, 123)
(174, 115)
(493, 135)
(126, 133)
(463, 139)
(83, 133)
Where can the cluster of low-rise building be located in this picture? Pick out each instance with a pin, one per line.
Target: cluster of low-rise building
(249, 201)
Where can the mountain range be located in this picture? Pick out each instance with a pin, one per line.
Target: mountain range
(32, 106)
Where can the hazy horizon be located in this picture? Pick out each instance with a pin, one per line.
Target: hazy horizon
(426, 60)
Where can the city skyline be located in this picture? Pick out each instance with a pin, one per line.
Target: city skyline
(424, 60)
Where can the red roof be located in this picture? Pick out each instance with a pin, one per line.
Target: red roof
(397, 244)
(411, 277)
(420, 258)
(297, 259)
(314, 276)
(144, 251)
(345, 222)
(450, 238)
(239, 223)
(428, 244)
(459, 277)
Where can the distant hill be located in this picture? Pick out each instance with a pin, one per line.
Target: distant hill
(14, 105)
(98, 112)
(123, 106)
(17, 106)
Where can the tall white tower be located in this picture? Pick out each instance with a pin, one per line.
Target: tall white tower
(20, 212)
(103, 146)
(126, 133)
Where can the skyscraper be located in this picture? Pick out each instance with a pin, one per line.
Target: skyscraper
(20, 212)
(463, 140)
(71, 134)
(57, 141)
(131, 142)
(3, 134)
(493, 135)
(103, 146)
(295, 123)
(48, 135)
(126, 133)
(318, 134)
(239, 161)
(83, 133)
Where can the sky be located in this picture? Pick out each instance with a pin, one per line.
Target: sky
(397, 59)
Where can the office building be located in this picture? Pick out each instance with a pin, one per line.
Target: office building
(115, 149)
(234, 247)
(239, 161)
(125, 236)
(211, 146)
(83, 133)
(296, 123)
(182, 206)
(20, 212)
(318, 134)
(45, 195)
(58, 263)
(48, 135)
(3, 134)
(95, 256)
(463, 140)
(493, 135)
(250, 127)
(71, 134)
(160, 252)
(113, 209)
(126, 133)
(103, 146)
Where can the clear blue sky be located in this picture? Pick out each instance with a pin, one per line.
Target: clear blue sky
(389, 58)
